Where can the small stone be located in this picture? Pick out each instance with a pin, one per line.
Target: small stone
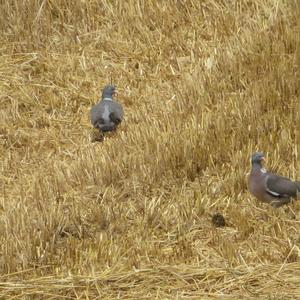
(218, 220)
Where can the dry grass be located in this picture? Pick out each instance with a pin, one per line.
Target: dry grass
(204, 84)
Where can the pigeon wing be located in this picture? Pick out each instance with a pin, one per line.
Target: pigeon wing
(116, 113)
(279, 186)
(97, 113)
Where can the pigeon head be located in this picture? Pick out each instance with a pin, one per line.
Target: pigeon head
(257, 158)
(108, 91)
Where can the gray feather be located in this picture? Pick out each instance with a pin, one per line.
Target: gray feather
(281, 186)
(270, 188)
(107, 114)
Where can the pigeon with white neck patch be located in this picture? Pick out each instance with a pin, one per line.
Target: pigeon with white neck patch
(107, 114)
(270, 188)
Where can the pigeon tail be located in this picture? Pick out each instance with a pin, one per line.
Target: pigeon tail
(107, 127)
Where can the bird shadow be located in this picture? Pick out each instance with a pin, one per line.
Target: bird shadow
(99, 137)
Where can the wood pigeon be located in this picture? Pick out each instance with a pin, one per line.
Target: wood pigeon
(270, 188)
(107, 114)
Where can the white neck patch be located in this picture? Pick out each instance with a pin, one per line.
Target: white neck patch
(108, 99)
(263, 170)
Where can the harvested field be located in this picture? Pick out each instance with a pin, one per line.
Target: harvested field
(204, 84)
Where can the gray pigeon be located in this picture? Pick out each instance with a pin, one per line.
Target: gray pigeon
(107, 114)
(270, 188)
